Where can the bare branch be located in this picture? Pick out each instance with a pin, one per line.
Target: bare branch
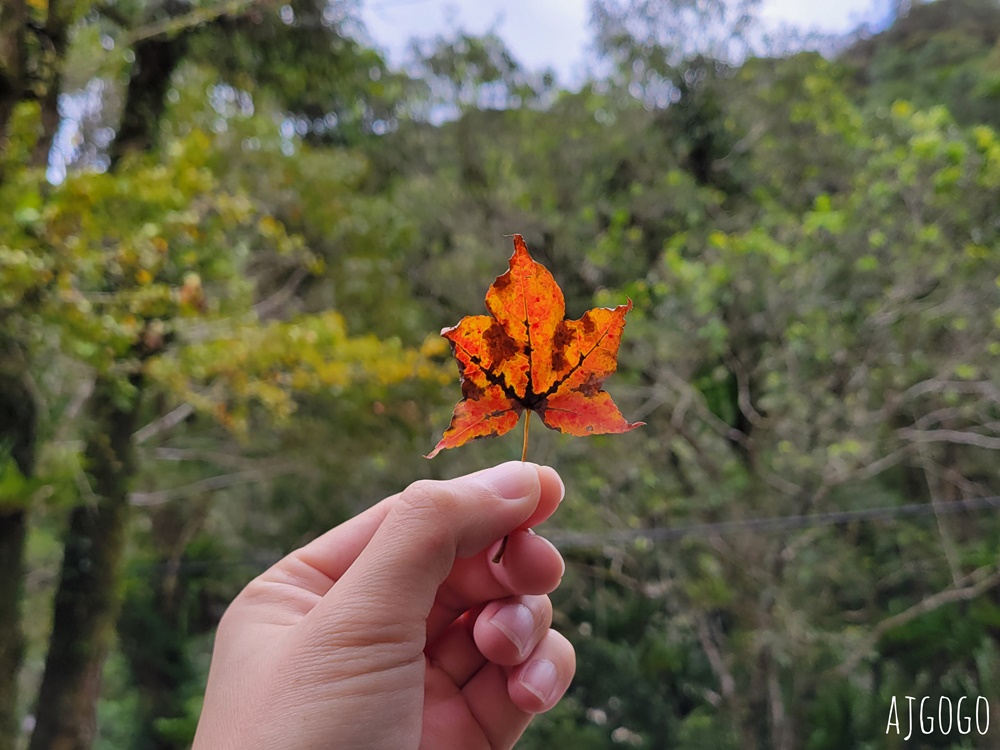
(194, 18)
(73, 408)
(947, 541)
(742, 146)
(211, 484)
(743, 397)
(219, 458)
(168, 421)
(959, 593)
(779, 483)
(727, 685)
(983, 388)
(938, 416)
(692, 396)
(869, 471)
(779, 716)
(272, 305)
(962, 437)
(937, 385)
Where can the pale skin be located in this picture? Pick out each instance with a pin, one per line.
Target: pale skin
(395, 630)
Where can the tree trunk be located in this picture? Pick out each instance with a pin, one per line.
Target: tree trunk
(88, 598)
(86, 604)
(155, 61)
(57, 38)
(13, 21)
(13, 532)
(18, 436)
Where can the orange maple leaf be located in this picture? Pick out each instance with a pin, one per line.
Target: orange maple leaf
(525, 355)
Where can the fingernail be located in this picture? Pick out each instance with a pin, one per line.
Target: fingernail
(553, 548)
(513, 480)
(540, 678)
(554, 473)
(513, 620)
(558, 554)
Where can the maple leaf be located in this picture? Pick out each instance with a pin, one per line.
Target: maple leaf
(525, 355)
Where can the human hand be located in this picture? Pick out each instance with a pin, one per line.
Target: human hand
(394, 630)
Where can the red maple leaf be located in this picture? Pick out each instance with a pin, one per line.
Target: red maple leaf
(525, 355)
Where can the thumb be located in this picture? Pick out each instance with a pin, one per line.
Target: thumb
(397, 575)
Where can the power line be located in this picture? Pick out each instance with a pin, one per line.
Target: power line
(566, 540)
(570, 540)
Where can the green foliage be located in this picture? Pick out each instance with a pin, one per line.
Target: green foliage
(15, 488)
(935, 53)
(301, 56)
(812, 250)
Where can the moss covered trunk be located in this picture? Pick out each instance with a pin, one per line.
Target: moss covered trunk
(86, 602)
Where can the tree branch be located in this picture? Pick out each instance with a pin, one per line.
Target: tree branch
(727, 684)
(168, 421)
(957, 593)
(962, 437)
(211, 484)
(272, 305)
(743, 397)
(947, 541)
(192, 19)
(218, 458)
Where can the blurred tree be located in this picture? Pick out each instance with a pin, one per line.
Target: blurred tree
(18, 423)
(675, 30)
(32, 45)
(125, 269)
(935, 53)
(466, 73)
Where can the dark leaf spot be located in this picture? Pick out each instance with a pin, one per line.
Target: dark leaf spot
(560, 341)
(590, 387)
(471, 391)
(500, 346)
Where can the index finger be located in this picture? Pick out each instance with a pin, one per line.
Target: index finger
(318, 565)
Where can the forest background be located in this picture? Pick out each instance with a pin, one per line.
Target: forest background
(229, 233)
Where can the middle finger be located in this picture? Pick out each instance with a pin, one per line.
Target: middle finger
(504, 632)
(531, 565)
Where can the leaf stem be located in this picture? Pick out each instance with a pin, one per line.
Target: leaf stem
(524, 457)
(527, 423)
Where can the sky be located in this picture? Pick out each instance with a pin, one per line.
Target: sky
(554, 33)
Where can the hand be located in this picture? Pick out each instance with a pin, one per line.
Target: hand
(394, 630)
